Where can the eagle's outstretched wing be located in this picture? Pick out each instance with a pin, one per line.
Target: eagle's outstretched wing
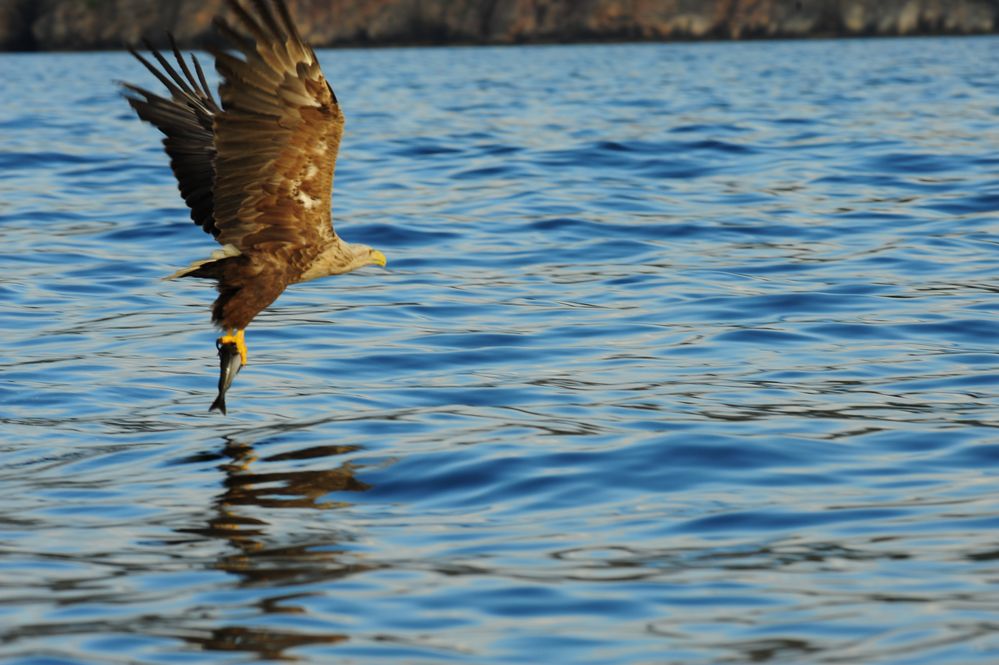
(258, 171)
(277, 138)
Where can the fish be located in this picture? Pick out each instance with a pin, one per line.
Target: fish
(230, 362)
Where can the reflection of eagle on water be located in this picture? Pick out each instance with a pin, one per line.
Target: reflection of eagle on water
(257, 171)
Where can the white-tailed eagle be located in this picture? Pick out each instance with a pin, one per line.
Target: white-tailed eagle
(255, 169)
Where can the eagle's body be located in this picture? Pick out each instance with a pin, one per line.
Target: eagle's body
(256, 169)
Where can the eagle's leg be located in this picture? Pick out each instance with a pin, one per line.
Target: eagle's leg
(236, 337)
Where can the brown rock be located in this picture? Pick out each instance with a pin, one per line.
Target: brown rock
(88, 24)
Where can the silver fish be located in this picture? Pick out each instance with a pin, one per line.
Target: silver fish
(230, 363)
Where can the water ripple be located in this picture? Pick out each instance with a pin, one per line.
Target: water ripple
(685, 353)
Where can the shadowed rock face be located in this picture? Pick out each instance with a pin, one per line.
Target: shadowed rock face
(92, 24)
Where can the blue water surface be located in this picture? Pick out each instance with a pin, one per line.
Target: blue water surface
(685, 353)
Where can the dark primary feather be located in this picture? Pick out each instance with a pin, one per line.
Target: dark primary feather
(186, 119)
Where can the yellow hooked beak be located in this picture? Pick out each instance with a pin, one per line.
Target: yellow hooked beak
(377, 258)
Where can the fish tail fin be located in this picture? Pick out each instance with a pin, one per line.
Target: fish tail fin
(218, 404)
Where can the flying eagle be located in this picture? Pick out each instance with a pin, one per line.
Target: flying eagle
(257, 170)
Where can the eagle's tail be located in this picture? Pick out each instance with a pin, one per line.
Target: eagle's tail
(207, 268)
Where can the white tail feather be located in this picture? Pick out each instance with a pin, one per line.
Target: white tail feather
(226, 252)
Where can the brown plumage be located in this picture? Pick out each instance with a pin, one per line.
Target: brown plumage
(255, 169)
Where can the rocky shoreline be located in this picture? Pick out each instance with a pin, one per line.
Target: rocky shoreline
(29, 25)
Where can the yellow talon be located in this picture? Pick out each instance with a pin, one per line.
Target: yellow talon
(236, 337)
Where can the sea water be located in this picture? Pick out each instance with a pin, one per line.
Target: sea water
(684, 353)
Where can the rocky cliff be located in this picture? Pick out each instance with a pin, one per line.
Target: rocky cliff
(95, 24)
